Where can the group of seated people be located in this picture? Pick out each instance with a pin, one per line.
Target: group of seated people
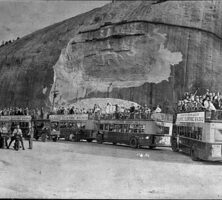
(14, 111)
(210, 101)
(111, 111)
(34, 112)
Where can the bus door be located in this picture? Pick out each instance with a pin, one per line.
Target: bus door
(55, 130)
(130, 132)
(117, 133)
(83, 130)
(6, 128)
(24, 126)
(125, 133)
(64, 130)
(6, 124)
(73, 129)
(111, 136)
(91, 129)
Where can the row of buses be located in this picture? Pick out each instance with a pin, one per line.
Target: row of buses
(198, 134)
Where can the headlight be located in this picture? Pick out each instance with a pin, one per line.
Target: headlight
(147, 137)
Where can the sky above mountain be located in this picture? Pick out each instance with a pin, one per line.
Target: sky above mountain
(21, 17)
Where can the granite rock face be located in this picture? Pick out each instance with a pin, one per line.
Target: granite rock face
(137, 51)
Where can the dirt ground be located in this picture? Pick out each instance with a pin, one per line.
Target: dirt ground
(91, 170)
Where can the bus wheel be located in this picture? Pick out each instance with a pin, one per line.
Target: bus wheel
(99, 139)
(76, 138)
(43, 137)
(89, 140)
(67, 138)
(54, 139)
(174, 144)
(193, 155)
(133, 143)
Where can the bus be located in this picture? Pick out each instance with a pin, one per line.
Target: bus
(153, 132)
(198, 134)
(11, 121)
(73, 127)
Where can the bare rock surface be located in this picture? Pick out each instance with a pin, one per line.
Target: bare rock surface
(149, 53)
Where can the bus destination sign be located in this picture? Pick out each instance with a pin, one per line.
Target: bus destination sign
(16, 118)
(68, 117)
(192, 117)
(163, 117)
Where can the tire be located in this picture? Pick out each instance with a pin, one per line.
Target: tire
(114, 143)
(76, 138)
(133, 142)
(54, 139)
(99, 139)
(16, 145)
(71, 137)
(174, 145)
(43, 137)
(152, 147)
(193, 155)
(67, 138)
(89, 140)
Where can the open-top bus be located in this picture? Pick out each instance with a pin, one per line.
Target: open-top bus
(73, 127)
(152, 132)
(198, 134)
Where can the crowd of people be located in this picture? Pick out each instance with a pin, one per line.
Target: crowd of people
(34, 112)
(210, 101)
(4, 43)
(109, 111)
(190, 102)
(112, 111)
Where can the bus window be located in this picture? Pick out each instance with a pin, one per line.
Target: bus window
(120, 128)
(200, 133)
(101, 127)
(106, 127)
(125, 128)
(72, 125)
(115, 127)
(131, 128)
(78, 125)
(142, 128)
(181, 130)
(111, 127)
(190, 130)
(63, 125)
(55, 125)
(136, 128)
(83, 125)
(166, 130)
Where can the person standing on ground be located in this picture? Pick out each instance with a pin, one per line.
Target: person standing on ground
(30, 134)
